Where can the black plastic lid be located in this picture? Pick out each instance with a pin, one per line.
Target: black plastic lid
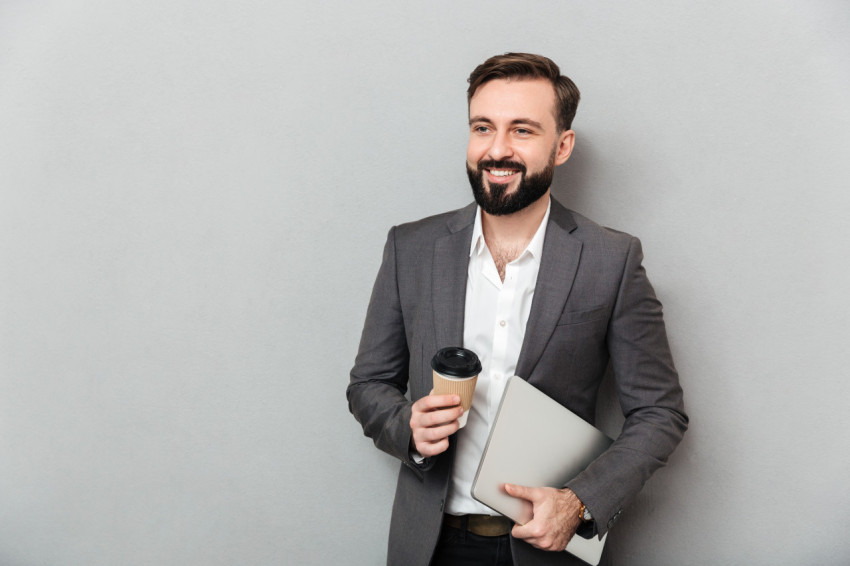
(456, 362)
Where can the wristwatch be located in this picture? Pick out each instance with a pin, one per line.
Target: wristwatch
(584, 514)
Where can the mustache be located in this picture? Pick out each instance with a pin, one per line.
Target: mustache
(500, 164)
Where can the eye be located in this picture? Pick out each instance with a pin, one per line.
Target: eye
(480, 129)
(523, 132)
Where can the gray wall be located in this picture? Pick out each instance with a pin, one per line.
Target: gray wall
(194, 200)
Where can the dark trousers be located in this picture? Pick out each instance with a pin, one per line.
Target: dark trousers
(462, 548)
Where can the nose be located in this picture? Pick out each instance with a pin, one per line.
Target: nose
(500, 148)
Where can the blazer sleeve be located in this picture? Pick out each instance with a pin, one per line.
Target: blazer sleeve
(376, 391)
(649, 393)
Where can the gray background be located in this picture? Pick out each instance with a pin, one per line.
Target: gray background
(194, 200)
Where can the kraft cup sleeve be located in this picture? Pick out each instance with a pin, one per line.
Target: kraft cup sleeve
(464, 387)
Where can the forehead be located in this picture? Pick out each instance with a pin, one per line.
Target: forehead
(511, 99)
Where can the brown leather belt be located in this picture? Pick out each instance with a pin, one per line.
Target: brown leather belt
(481, 525)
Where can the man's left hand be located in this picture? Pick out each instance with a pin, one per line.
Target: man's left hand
(555, 516)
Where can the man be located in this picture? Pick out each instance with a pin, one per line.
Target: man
(535, 290)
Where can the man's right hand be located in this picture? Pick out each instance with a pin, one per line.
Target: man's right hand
(433, 419)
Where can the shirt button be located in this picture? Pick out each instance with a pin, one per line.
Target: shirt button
(498, 376)
(502, 323)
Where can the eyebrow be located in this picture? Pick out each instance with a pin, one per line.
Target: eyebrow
(514, 122)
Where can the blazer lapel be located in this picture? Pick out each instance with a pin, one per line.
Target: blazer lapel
(558, 266)
(451, 262)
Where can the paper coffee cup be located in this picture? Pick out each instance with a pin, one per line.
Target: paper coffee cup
(456, 373)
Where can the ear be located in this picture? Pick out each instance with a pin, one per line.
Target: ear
(566, 141)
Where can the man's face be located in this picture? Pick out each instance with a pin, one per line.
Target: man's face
(514, 144)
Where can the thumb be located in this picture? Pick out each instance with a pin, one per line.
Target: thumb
(519, 491)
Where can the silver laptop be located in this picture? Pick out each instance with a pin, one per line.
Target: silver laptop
(536, 442)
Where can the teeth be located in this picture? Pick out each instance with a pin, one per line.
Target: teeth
(501, 173)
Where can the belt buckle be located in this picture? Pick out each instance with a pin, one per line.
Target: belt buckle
(488, 525)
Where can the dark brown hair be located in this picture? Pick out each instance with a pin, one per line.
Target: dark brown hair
(530, 66)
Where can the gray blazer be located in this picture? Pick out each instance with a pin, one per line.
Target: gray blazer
(592, 305)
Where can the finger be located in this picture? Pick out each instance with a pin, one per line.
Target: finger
(520, 491)
(434, 402)
(433, 434)
(440, 417)
(422, 433)
(519, 531)
(527, 532)
(435, 418)
(537, 536)
(428, 449)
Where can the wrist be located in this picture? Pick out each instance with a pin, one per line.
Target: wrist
(574, 505)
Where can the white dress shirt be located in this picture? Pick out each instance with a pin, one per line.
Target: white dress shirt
(494, 327)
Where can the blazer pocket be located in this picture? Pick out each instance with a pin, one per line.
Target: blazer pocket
(587, 315)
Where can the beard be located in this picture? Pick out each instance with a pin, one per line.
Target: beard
(496, 201)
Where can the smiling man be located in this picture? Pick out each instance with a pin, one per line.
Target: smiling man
(535, 290)
(504, 137)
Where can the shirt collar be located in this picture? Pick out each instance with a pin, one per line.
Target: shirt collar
(477, 245)
(535, 246)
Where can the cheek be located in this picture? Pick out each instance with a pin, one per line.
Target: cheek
(532, 159)
(475, 151)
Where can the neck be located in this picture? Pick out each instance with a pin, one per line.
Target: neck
(515, 229)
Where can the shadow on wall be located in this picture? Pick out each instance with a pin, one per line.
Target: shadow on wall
(572, 184)
(577, 186)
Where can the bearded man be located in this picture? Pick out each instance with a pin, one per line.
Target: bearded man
(535, 290)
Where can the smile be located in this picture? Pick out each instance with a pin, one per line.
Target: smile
(501, 172)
